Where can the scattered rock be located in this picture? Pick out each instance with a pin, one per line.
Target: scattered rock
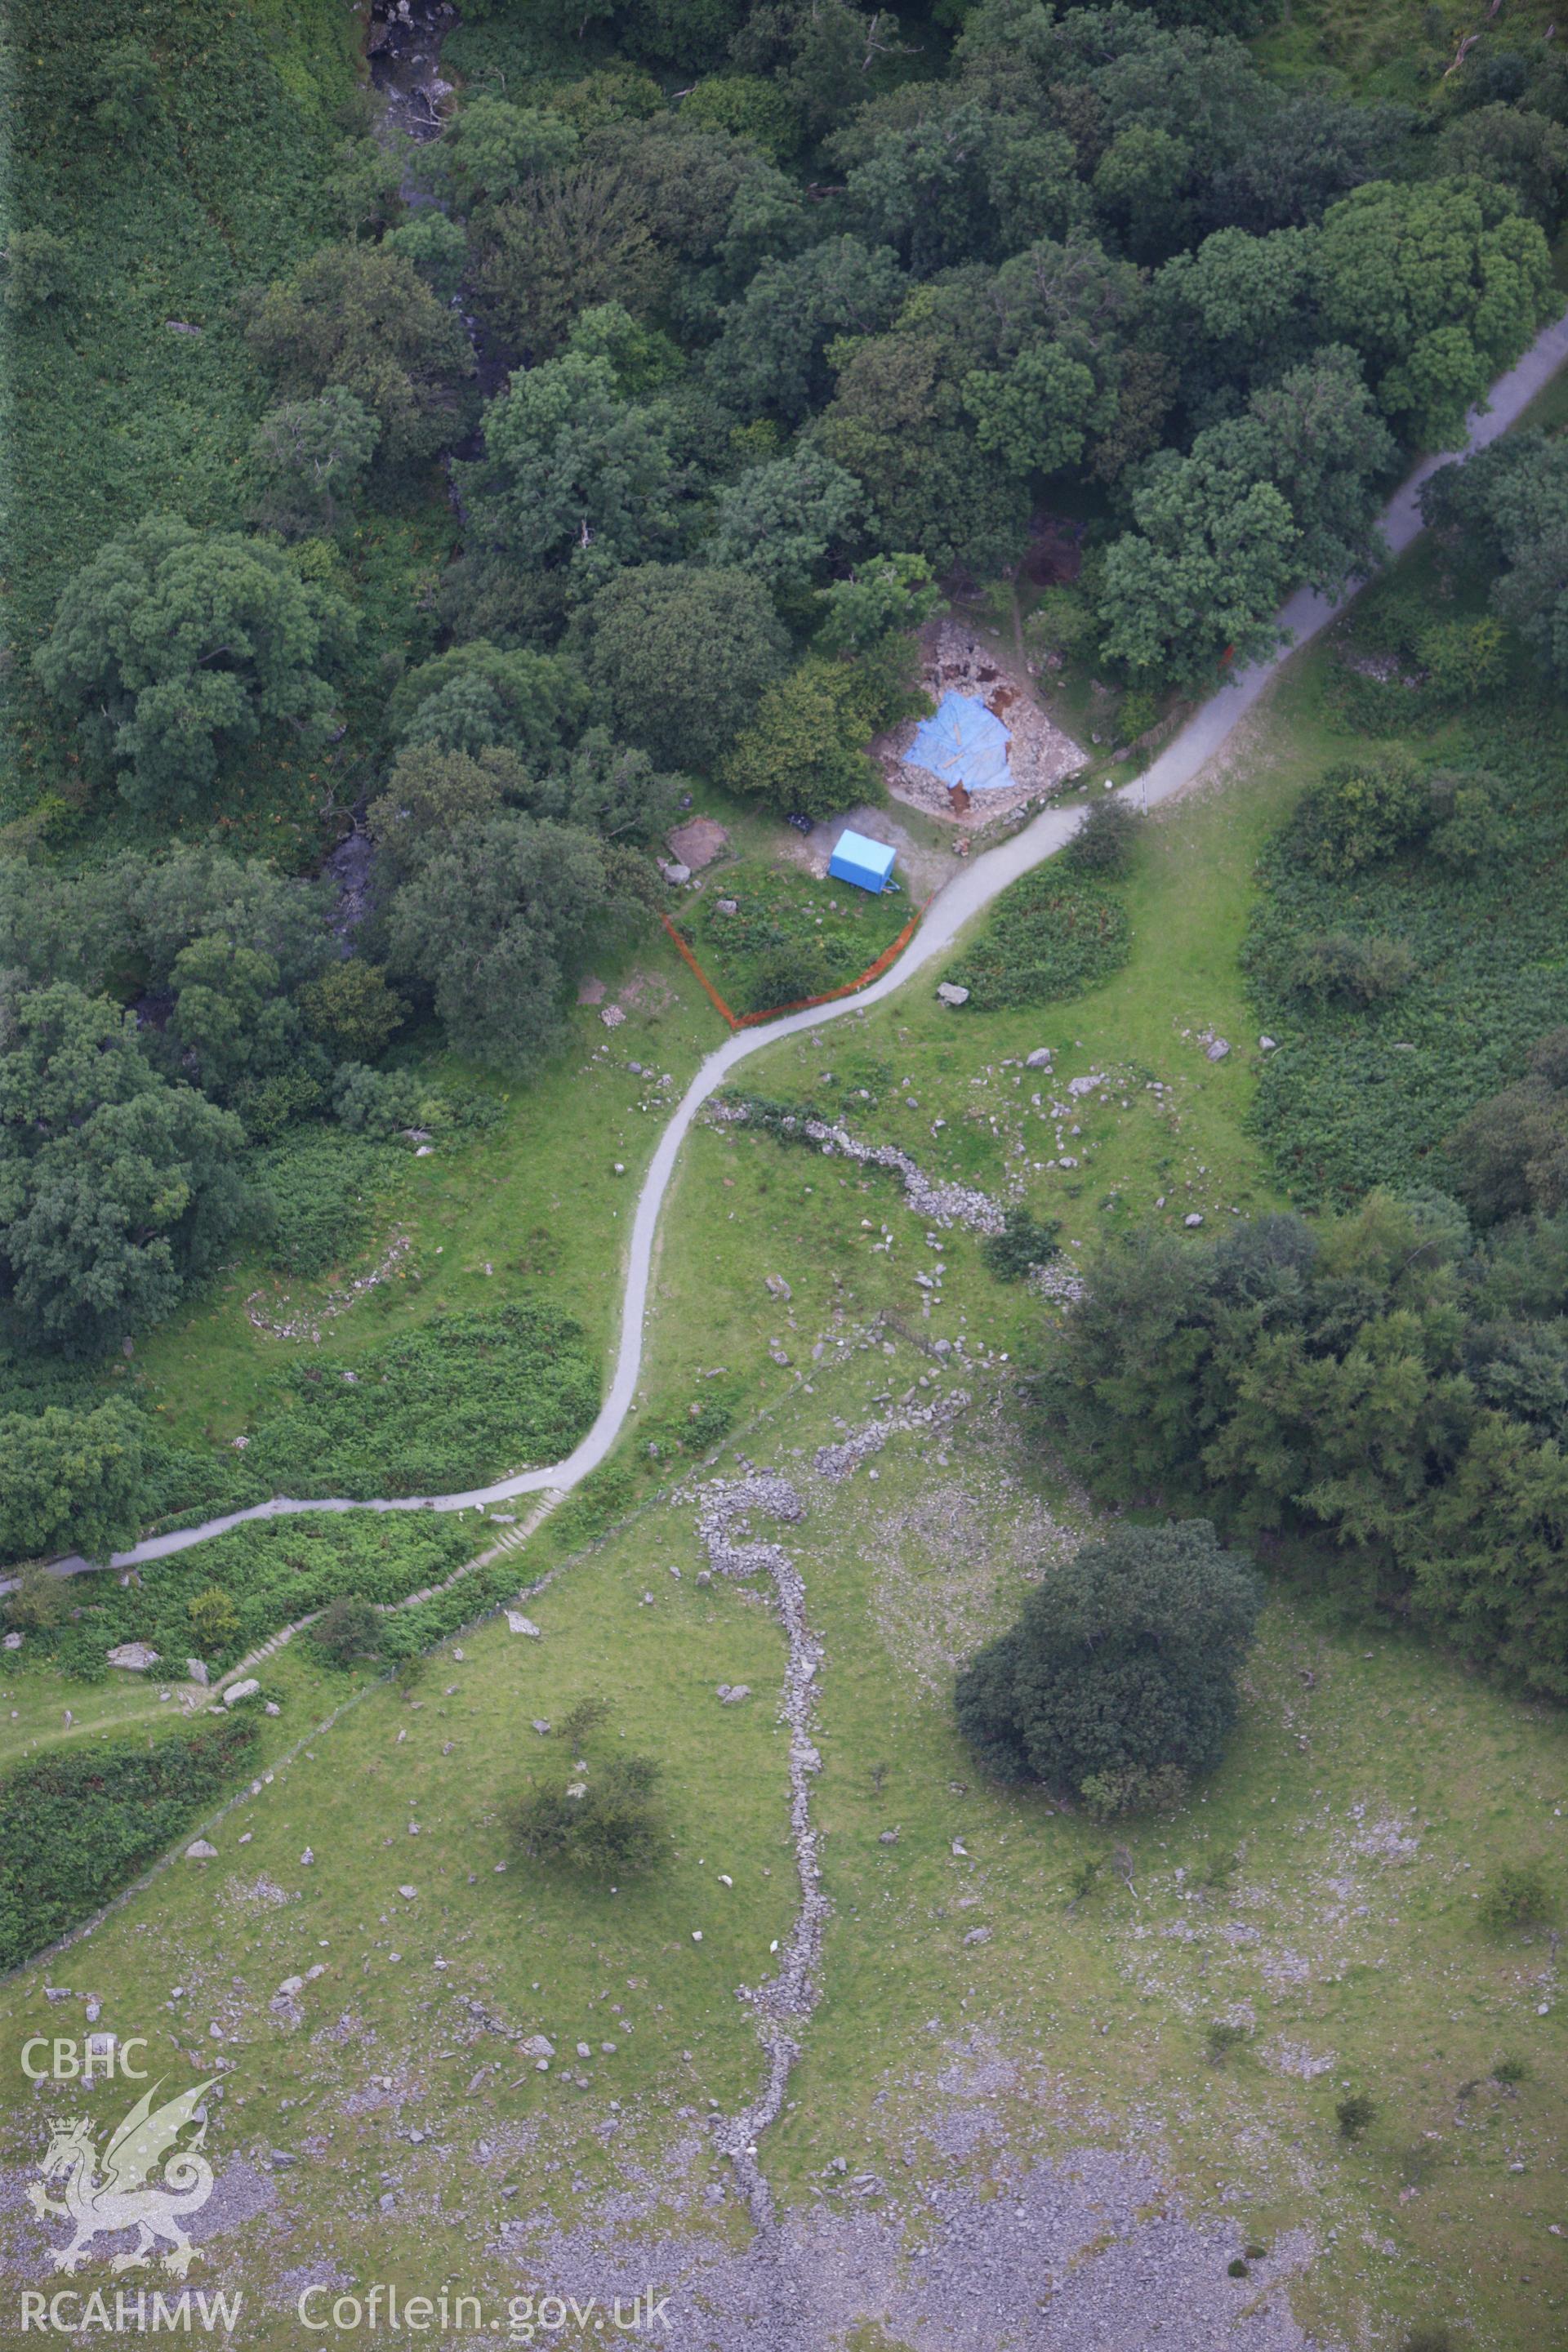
(776, 1284)
(726, 906)
(135, 1656)
(1268, 1045)
(539, 1722)
(195, 1671)
(978, 1935)
(272, 1708)
(731, 1693)
(307, 1857)
(1194, 1219)
(536, 2046)
(889, 1837)
(200, 1851)
(249, 1688)
(1040, 1059)
(519, 1623)
(12, 1641)
(949, 992)
(1216, 1049)
(408, 1893)
(612, 1016)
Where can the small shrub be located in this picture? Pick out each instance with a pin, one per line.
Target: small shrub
(1429, 2339)
(1256, 2252)
(381, 1104)
(214, 1620)
(352, 1010)
(796, 969)
(1516, 1897)
(708, 1423)
(1136, 712)
(1217, 1871)
(581, 1719)
(612, 1830)
(1471, 830)
(1222, 2040)
(1023, 1243)
(1510, 2073)
(1354, 2113)
(1343, 968)
(1235, 2269)
(1463, 659)
(347, 1629)
(1060, 624)
(1363, 810)
(36, 1601)
(1082, 1880)
(1105, 842)
(40, 270)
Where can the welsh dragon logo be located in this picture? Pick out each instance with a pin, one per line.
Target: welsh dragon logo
(119, 2196)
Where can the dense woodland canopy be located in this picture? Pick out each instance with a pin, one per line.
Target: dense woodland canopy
(621, 436)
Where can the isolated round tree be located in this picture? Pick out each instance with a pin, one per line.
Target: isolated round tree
(1119, 1680)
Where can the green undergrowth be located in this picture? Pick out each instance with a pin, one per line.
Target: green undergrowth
(465, 1399)
(134, 388)
(790, 936)
(324, 1189)
(269, 1572)
(1050, 935)
(1363, 1093)
(77, 1824)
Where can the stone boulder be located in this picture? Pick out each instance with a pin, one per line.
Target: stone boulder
(698, 842)
(249, 1688)
(135, 1656)
(949, 992)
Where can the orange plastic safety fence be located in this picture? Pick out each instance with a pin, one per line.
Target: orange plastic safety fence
(801, 1003)
(872, 972)
(718, 1003)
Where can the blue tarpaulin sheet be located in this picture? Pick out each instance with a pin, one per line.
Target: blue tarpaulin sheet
(869, 863)
(963, 743)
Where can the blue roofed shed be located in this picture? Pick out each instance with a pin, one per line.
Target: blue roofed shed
(868, 864)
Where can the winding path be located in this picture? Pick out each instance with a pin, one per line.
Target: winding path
(966, 897)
